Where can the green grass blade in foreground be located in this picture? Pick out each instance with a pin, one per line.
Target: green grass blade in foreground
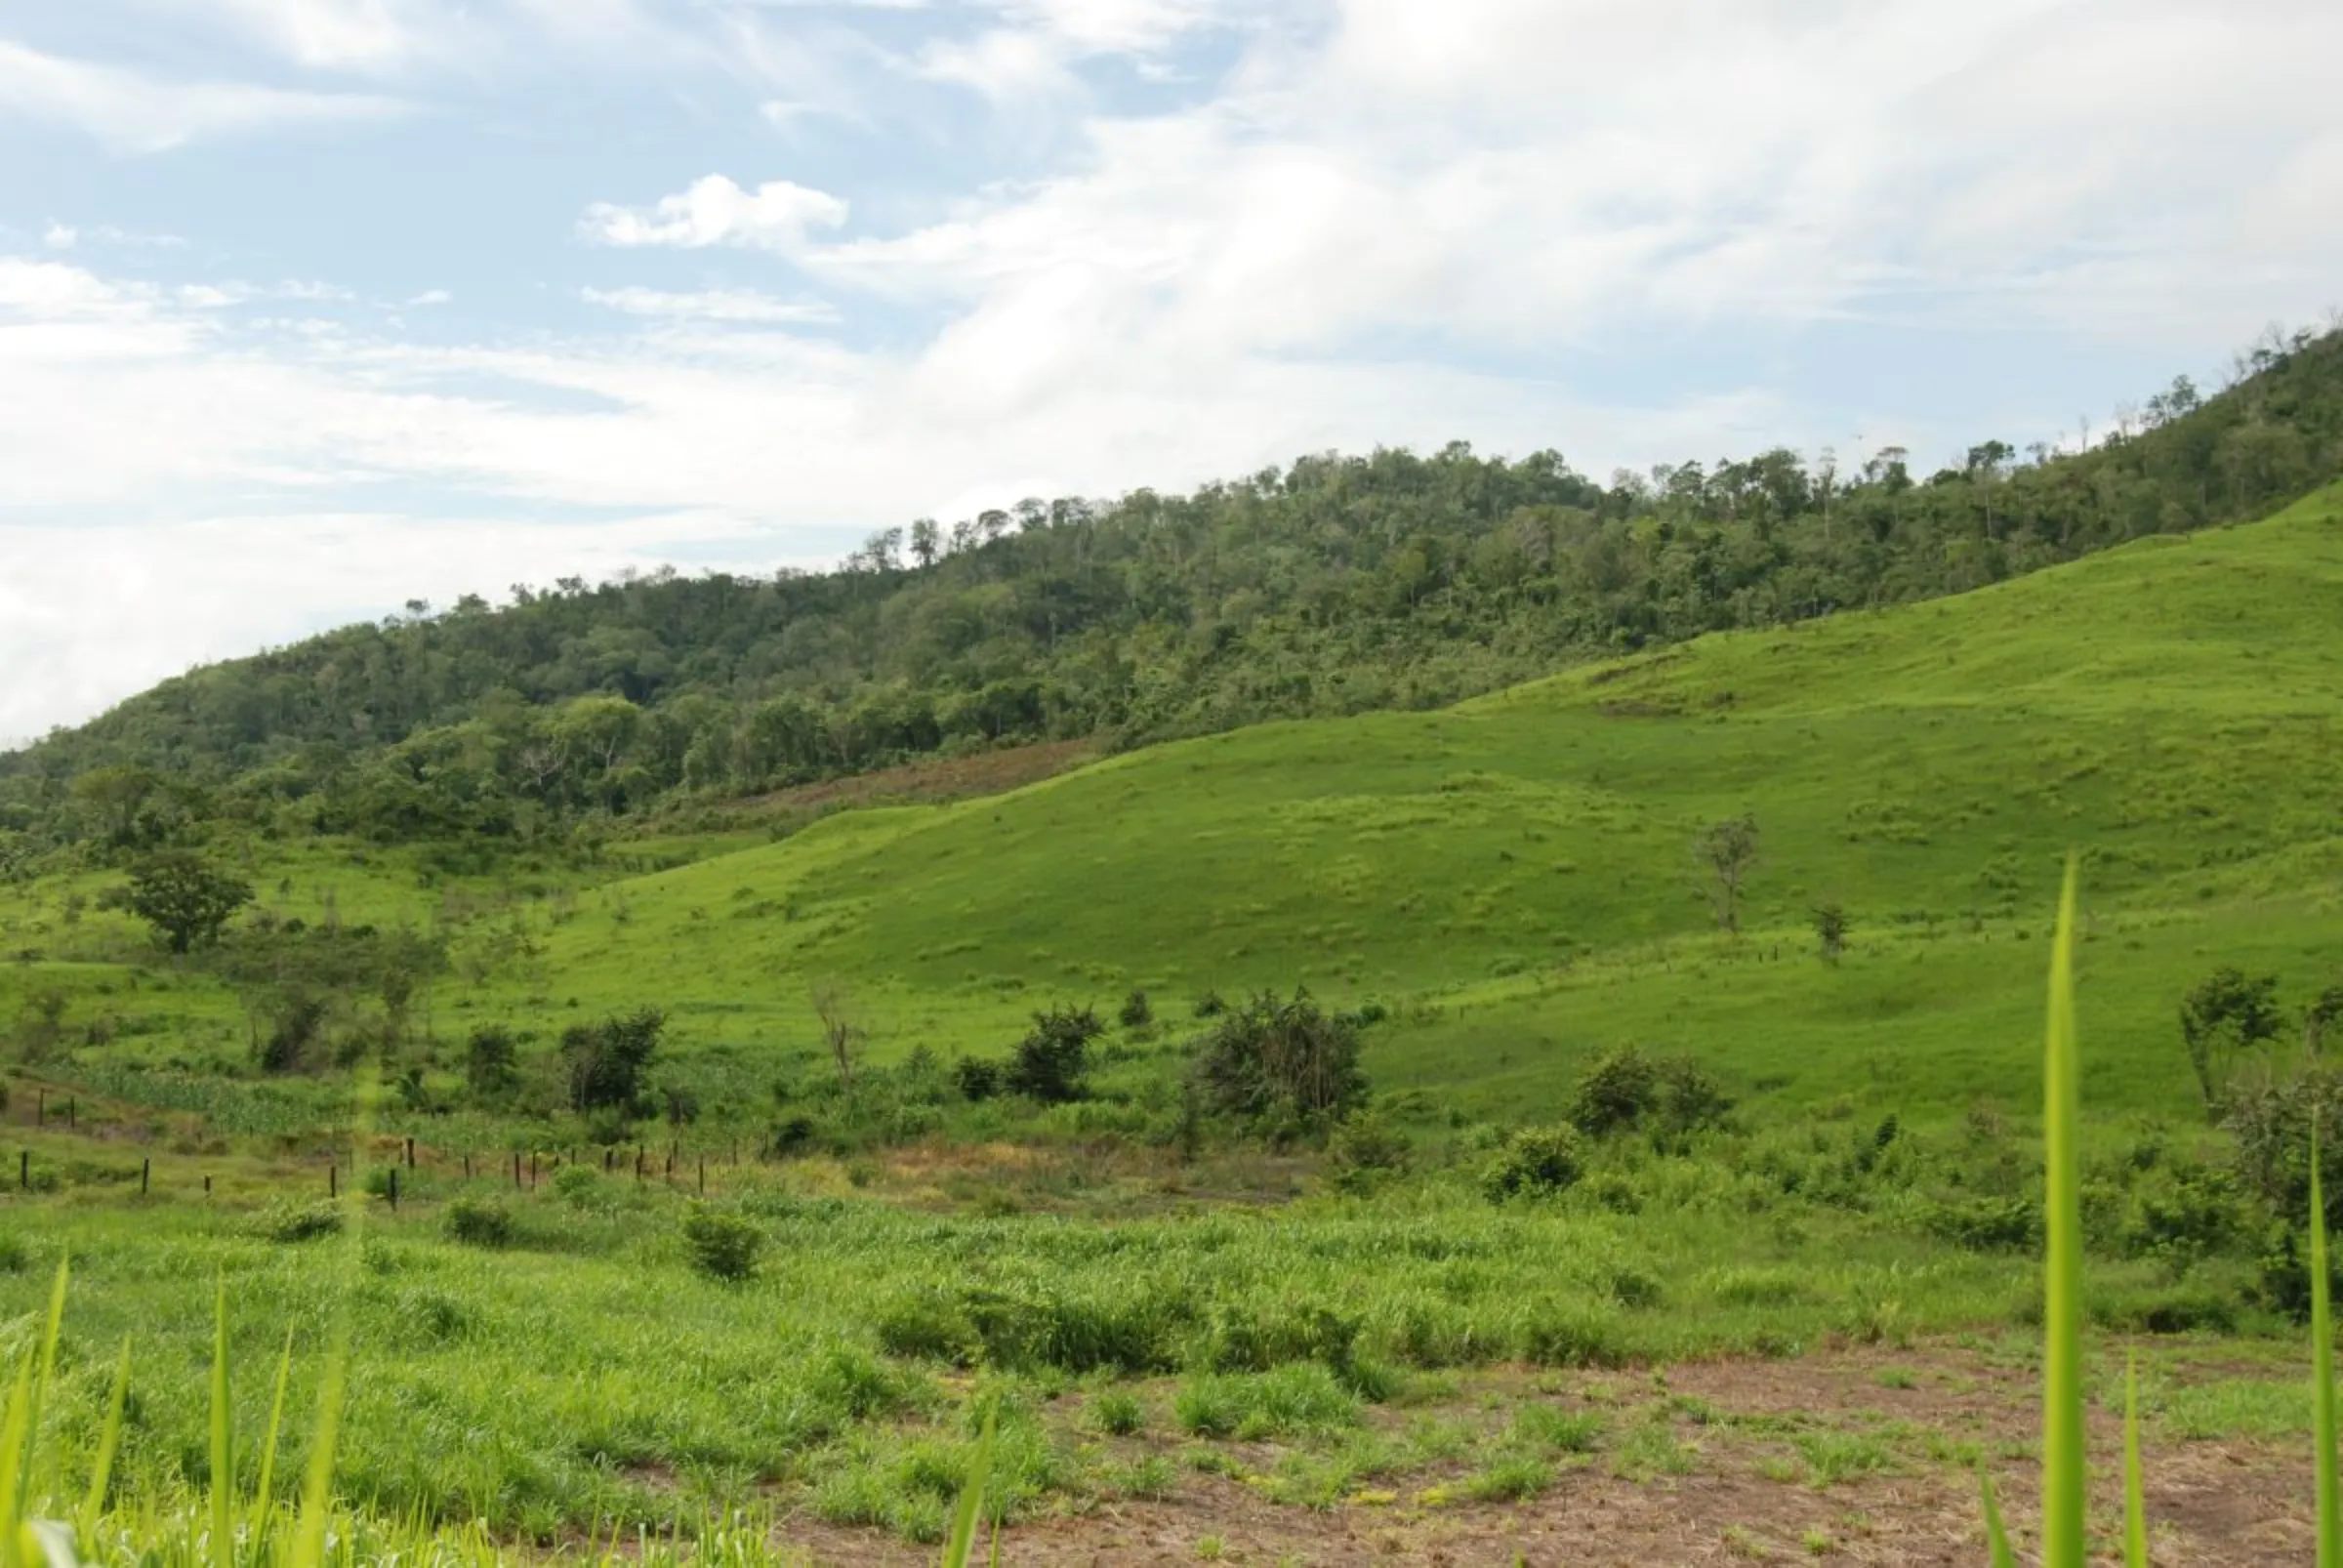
(276, 1418)
(2322, 1372)
(2064, 1473)
(109, 1437)
(2135, 1502)
(960, 1546)
(1996, 1536)
(224, 1444)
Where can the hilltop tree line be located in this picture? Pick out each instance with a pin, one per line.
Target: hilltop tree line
(1333, 586)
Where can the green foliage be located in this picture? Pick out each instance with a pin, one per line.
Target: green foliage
(1052, 1062)
(1283, 1058)
(1117, 1412)
(606, 1062)
(1534, 1161)
(1367, 1151)
(184, 896)
(977, 1078)
(1624, 1089)
(491, 1063)
(2225, 1019)
(289, 1223)
(724, 1245)
(1135, 1013)
(478, 1222)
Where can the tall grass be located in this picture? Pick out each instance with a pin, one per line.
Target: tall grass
(2065, 1468)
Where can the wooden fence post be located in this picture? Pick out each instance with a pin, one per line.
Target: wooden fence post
(145, 1172)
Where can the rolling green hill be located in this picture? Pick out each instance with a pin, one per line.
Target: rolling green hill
(1337, 586)
(1512, 879)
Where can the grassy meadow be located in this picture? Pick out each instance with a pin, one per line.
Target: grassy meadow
(1506, 891)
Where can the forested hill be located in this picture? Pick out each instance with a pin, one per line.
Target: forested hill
(1338, 585)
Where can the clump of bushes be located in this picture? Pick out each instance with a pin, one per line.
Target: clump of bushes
(723, 1246)
(1666, 1096)
(478, 1222)
(1534, 1162)
(289, 1223)
(1283, 1059)
(977, 1078)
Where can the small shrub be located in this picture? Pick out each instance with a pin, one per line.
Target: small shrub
(579, 1185)
(477, 1222)
(1135, 1013)
(1117, 1413)
(289, 1223)
(1986, 1225)
(13, 1258)
(723, 1246)
(1554, 1429)
(1367, 1152)
(1052, 1062)
(1534, 1161)
(1282, 1058)
(929, 1326)
(977, 1078)
(1510, 1479)
(1626, 1089)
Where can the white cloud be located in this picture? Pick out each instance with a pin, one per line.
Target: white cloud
(130, 112)
(713, 305)
(432, 297)
(713, 211)
(60, 236)
(1391, 221)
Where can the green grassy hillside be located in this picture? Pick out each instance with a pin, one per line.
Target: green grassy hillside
(1514, 879)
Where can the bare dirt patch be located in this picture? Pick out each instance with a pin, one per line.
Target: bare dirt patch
(1859, 1455)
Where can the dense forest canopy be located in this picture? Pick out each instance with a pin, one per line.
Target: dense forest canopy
(1338, 585)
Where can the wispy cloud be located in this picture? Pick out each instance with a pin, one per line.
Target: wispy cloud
(132, 112)
(714, 304)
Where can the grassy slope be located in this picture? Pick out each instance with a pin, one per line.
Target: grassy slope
(1516, 874)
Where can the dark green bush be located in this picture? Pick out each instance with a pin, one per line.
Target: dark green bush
(977, 1078)
(293, 1222)
(1286, 1057)
(1624, 1089)
(1534, 1161)
(723, 1245)
(1052, 1062)
(1135, 1012)
(1986, 1225)
(478, 1222)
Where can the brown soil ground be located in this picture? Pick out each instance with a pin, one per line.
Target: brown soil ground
(1746, 1495)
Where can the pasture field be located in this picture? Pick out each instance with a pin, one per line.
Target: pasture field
(1791, 1325)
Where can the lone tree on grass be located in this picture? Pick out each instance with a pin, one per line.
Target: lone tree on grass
(2229, 1014)
(1729, 850)
(1052, 1062)
(842, 1029)
(607, 1061)
(1831, 930)
(184, 897)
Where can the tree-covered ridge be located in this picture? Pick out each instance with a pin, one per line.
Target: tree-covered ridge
(1340, 584)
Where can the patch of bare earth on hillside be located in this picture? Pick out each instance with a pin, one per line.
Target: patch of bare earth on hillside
(1754, 1433)
(993, 773)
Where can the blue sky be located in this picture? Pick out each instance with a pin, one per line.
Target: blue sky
(308, 307)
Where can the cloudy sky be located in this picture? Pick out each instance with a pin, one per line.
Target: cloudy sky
(308, 307)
